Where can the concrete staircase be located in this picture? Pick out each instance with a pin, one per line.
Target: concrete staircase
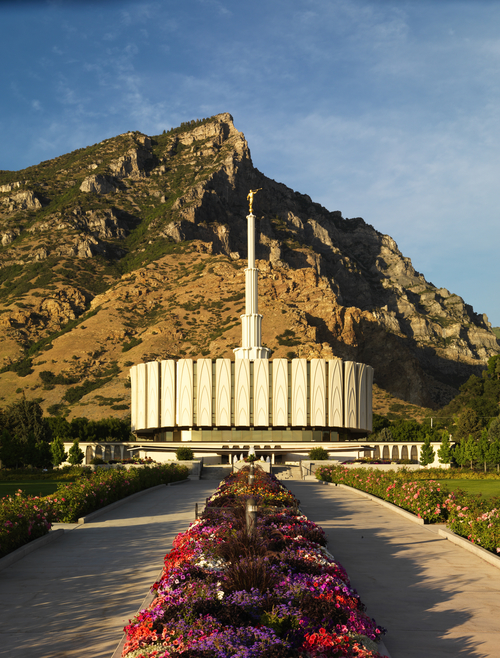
(215, 471)
(287, 472)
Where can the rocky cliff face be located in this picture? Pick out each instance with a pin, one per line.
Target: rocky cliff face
(135, 248)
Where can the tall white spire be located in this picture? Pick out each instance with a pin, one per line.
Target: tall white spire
(251, 322)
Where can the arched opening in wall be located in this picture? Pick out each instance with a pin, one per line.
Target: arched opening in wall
(395, 453)
(385, 453)
(88, 454)
(98, 452)
(107, 453)
(404, 452)
(376, 452)
(414, 453)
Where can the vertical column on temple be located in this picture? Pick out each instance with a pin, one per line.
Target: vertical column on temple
(251, 322)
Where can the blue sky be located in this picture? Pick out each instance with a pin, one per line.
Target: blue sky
(386, 110)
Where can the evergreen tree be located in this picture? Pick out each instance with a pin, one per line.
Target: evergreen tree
(427, 452)
(459, 453)
(25, 418)
(494, 452)
(57, 450)
(444, 450)
(494, 429)
(483, 449)
(75, 455)
(469, 424)
(470, 450)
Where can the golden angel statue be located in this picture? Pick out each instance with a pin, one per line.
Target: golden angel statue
(250, 198)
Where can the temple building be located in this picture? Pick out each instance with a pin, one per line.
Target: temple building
(278, 408)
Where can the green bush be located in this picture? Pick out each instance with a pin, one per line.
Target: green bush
(75, 455)
(318, 454)
(184, 454)
(104, 487)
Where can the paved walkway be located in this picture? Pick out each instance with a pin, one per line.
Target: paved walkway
(435, 598)
(71, 598)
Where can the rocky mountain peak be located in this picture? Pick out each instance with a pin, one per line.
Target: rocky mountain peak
(135, 249)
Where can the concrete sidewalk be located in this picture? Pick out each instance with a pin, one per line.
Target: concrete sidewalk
(71, 598)
(435, 598)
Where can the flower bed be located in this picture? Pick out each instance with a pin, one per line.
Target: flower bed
(424, 499)
(475, 518)
(24, 518)
(249, 591)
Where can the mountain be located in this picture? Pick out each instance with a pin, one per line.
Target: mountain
(135, 249)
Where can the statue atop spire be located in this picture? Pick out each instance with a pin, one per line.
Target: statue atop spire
(250, 197)
(251, 322)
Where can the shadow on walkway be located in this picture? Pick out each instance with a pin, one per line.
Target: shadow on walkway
(72, 598)
(434, 598)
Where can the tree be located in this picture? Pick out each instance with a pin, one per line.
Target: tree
(459, 453)
(75, 455)
(59, 426)
(25, 418)
(444, 451)
(469, 424)
(494, 429)
(407, 430)
(57, 450)
(483, 449)
(427, 452)
(379, 423)
(385, 434)
(470, 450)
(10, 450)
(494, 366)
(494, 452)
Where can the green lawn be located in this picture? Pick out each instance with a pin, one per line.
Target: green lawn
(41, 488)
(488, 488)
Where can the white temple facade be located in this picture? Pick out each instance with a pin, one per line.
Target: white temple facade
(252, 402)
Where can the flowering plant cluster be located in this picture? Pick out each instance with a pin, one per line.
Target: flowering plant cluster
(105, 487)
(24, 518)
(473, 517)
(424, 499)
(264, 489)
(229, 589)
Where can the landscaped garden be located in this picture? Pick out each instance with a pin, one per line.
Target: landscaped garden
(251, 578)
(24, 518)
(474, 517)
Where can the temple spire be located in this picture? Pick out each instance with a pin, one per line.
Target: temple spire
(251, 322)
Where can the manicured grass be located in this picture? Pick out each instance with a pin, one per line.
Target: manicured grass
(487, 488)
(41, 488)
